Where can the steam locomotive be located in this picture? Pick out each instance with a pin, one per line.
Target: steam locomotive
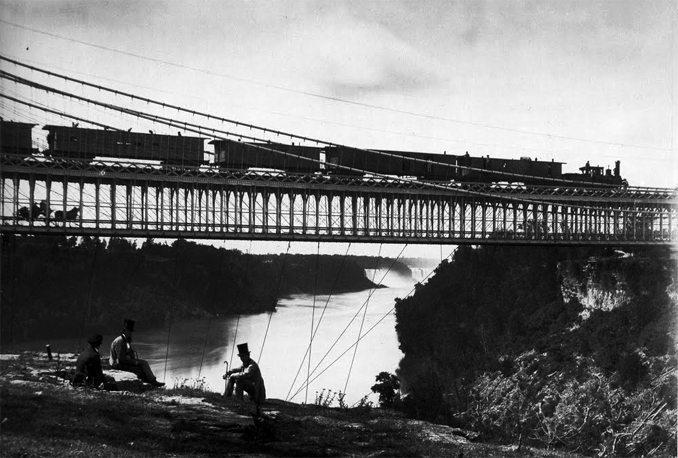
(83, 144)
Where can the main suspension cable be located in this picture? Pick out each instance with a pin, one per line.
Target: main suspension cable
(21, 80)
(500, 197)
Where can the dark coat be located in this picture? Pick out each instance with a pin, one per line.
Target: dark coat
(250, 374)
(88, 369)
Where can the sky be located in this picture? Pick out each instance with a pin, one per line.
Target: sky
(572, 81)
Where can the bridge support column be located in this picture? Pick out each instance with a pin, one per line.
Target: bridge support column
(266, 200)
(112, 192)
(64, 198)
(97, 203)
(291, 209)
(354, 215)
(304, 213)
(254, 195)
(278, 212)
(31, 199)
(317, 213)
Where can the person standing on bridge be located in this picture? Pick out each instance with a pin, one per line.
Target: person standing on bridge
(125, 359)
(246, 378)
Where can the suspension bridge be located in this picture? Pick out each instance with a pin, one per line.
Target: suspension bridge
(113, 197)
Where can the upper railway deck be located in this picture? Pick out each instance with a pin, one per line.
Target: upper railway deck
(90, 171)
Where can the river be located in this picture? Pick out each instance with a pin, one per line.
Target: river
(194, 352)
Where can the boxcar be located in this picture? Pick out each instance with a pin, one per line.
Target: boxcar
(86, 144)
(231, 154)
(16, 137)
(392, 163)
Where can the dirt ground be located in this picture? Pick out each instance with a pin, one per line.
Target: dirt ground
(42, 415)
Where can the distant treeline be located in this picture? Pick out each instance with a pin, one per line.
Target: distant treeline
(491, 344)
(56, 286)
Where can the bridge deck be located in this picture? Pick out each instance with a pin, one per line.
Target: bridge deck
(116, 199)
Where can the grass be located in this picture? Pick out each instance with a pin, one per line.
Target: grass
(43, 417)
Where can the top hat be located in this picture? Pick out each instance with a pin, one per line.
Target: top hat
(243, 350)
(128, 325)
(95, 339)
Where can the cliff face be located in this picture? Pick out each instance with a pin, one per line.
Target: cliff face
(514, 341)
(595, 287)
(606, 283)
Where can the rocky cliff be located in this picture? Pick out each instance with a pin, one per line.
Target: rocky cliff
(570, 348)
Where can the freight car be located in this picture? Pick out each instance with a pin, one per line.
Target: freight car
(441, 167)
(346, 161)
(235, 155)
(16, 138)
(86, 144)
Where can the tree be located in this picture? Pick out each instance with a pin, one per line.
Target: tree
(388, 387)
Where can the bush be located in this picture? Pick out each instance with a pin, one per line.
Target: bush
(388, 387)
(580, 411)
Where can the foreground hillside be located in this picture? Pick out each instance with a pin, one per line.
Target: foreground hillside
(43, 416)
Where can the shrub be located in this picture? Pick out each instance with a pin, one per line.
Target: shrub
(388, 387)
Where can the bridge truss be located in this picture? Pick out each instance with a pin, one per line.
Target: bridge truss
(145, 201)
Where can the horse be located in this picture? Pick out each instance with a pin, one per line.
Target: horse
(29, 214)
(44, 210)
(70, 215)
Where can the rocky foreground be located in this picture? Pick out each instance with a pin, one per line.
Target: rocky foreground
(43, 415)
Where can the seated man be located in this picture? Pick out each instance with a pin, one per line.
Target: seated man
(123, 358)
(246, 378)
(88, 370)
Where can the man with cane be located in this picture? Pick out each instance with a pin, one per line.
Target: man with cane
(246, 378)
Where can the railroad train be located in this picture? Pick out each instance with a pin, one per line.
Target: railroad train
(84, 144)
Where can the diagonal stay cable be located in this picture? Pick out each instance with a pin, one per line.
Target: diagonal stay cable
(277, 291)
(21, 80)
(363, 336)
(351, 320)
(362, 322)
(171, 313)
(315, 296)
(209, 320)
(336, 278)
(89, 293)
(237, 321)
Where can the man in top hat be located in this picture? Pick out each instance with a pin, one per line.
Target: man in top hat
(124, 358)
(88, 370)
(246, 378)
